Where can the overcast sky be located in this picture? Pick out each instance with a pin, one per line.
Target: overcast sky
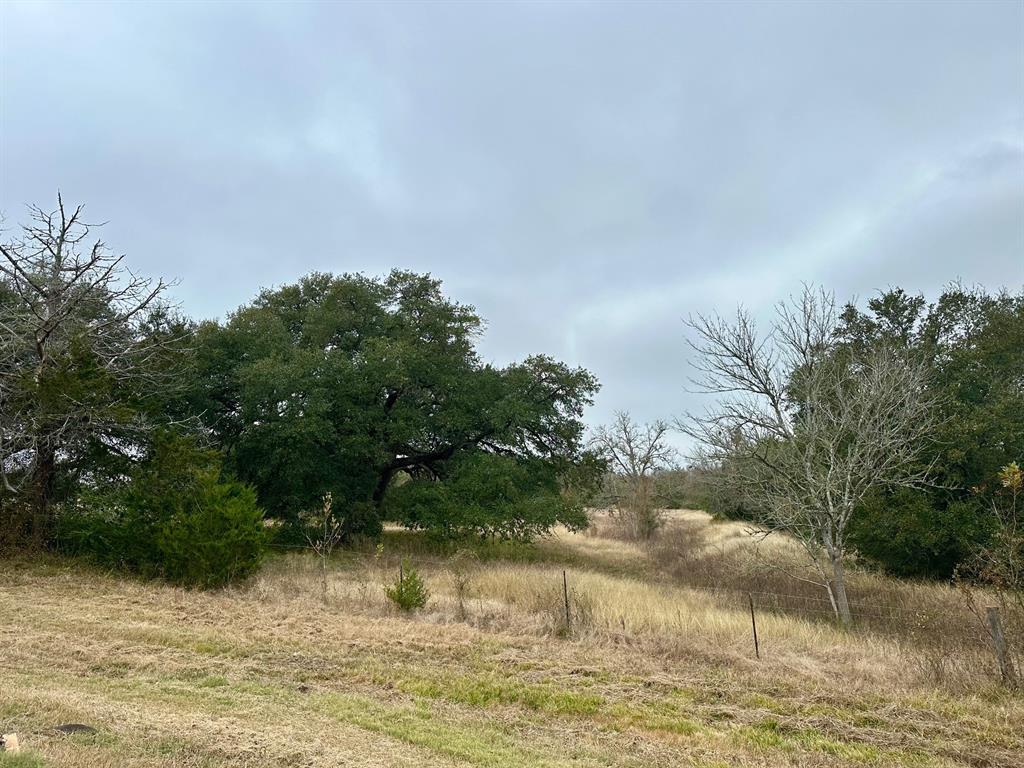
(586, 174)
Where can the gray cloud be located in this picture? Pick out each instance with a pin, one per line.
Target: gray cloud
(587, 174)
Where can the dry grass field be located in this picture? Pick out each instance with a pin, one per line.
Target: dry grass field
(656, 669)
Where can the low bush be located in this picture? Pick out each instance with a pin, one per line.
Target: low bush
(177, 518)
(215, 540)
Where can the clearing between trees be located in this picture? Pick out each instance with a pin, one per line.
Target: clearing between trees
(654, 669)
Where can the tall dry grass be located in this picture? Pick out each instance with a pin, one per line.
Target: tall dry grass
(686, 593)
(654, 668)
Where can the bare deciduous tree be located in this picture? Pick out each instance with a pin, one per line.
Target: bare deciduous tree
(635, 452)
(805, 428)
(463, 566)
(324, 535)
(74, 346)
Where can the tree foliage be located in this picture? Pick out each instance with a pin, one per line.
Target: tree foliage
(176, 517)
(370, 392)
(486, 494)
(972, 344)
(341, 384)
(1000, 562)
(809, 428)
(365, 391)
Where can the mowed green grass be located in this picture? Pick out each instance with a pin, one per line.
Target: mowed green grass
(266, 674)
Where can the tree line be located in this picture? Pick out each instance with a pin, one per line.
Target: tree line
(148, 440)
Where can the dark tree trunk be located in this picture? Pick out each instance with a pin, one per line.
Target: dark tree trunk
(42, 502)
(382, 485)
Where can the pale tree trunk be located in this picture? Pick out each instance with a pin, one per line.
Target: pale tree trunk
(832, 598)
(842, 604)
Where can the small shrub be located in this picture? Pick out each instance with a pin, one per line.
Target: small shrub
(219, 539)
(462, 566)
(409, 592)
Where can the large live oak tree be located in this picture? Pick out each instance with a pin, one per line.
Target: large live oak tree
(344, 384)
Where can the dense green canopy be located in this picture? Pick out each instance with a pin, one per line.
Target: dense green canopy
(973, 343)
(342, 384)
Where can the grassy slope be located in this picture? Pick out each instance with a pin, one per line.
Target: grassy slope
(655, 674)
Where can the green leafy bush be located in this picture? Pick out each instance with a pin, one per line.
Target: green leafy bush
(907, 534)
(177, 518)
(216, 540)
(409, 591)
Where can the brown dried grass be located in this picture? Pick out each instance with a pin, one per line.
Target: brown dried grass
(655, 670)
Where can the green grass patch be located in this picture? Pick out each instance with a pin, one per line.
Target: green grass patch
(771, 735)
(626, 715)
(21, 760)
(478, 744)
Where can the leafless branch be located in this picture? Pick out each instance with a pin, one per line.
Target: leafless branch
(804, 428)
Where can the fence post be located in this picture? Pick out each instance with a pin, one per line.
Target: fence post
(401, 572)
(995, 626)
(753, 624)
(565, 593)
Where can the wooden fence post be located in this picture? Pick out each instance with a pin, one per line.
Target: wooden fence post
(565, 593)
(753, 624)
(995, 626)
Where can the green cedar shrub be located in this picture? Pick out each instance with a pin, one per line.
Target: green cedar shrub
(409, 591)
(177, 519)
